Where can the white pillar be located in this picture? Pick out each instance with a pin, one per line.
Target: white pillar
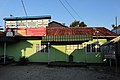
(4, 52)
(48, 53)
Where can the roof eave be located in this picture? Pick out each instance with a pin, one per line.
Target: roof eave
(106, 36)
(27, 18)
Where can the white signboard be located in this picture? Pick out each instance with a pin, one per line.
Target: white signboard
(27, 23)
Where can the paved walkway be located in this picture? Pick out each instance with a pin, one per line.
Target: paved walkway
(42, 72)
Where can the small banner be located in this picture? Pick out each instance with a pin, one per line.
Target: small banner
(36, 31)
(26, 31)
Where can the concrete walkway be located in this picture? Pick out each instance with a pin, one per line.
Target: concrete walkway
(42, 72)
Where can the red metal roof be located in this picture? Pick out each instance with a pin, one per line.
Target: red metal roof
(57, 29)
(94, 31)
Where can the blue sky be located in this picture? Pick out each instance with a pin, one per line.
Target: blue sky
(92, 12)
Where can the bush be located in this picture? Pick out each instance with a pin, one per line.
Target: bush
(23, 61)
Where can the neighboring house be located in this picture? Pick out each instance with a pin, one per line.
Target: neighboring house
(1, 28)
(55, 24)
(22, 36)
(61, 43)
(116, 30)
(82, 51)
(111, 51)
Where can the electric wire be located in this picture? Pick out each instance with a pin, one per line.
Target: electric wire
(24, 7)
(73, 9)
(67, 9)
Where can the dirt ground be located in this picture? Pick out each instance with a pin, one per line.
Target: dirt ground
(42, 72)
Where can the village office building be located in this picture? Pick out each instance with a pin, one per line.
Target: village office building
(39, 41)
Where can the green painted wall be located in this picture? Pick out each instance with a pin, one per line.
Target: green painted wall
(26, 48)
(94, 57)
(1, 49)
(57, 52)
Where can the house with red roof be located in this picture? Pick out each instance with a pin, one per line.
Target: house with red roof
(61, 43)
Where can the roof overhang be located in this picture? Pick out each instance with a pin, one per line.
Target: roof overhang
(67, 39)
(105, 36)
(27, 18)
(17, 38)
(113, 41)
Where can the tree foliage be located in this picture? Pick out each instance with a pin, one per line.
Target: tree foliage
(78, 24)
(114, 26)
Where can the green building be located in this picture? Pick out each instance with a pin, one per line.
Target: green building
(60, 43)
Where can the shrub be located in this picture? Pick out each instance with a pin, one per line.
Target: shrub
(23, 61)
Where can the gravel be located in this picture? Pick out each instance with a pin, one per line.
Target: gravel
(42, 72)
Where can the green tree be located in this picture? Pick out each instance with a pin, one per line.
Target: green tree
(78, 24)
(75, 24)
(82, 24)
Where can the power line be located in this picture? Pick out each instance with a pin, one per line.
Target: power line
(67, 9)
(24, 7)
(73, 9)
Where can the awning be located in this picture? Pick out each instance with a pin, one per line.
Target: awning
(27, 18)
(7, 39)
(16, 38)
(67, 38)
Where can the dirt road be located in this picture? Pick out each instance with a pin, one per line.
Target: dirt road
(42, 72)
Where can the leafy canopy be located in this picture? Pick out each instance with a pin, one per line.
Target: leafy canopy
(78, 24)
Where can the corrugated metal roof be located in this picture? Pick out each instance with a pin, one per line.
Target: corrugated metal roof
(57, 29)
(67, 38)
(115, 40)
(98, 31)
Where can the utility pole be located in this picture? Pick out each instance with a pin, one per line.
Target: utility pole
(116, 24)
(116, 52)
(48, 52)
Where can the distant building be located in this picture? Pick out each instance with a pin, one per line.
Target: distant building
(1, 28)
(111, 51)
(27, 26)
(55, 24)
(116, 30)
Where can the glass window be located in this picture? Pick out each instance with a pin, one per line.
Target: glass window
(37, 47)
(72, 47)
(11, 24)
(88, 47)
(21, 24)
(41, 48)
(93, 48)
(32, 23)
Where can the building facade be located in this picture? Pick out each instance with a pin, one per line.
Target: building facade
(60, 43)
(111, 51)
